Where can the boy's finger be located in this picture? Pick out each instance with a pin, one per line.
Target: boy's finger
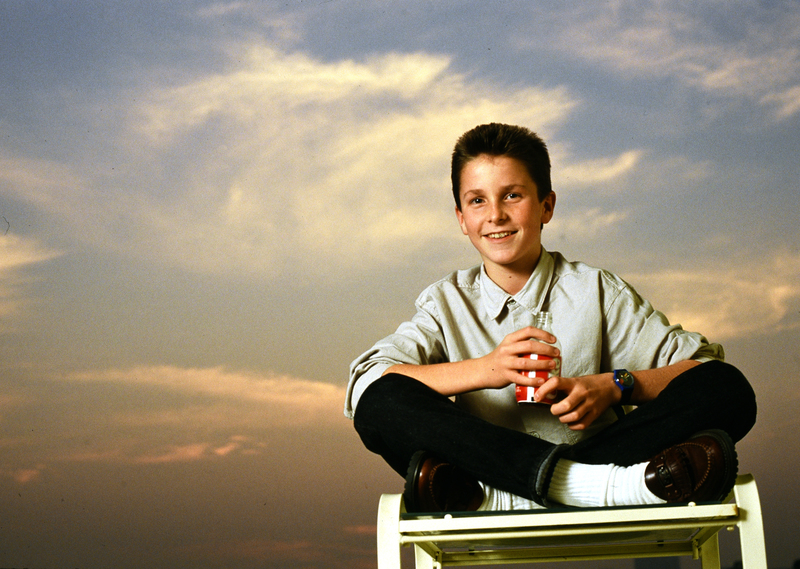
(534, 346)
(531, 332)
(548, 390)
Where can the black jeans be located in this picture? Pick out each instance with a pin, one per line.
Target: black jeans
(398, 416)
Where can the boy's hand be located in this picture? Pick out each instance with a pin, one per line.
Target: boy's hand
(585, 398)
(505, 364)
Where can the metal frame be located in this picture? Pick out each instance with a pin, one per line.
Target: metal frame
(497, 538)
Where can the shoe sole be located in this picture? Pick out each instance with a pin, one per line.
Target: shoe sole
(730, 457)
(412, 476)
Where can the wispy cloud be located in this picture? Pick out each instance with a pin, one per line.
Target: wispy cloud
(281, 401)
(46, 183)
(164, 415)
(18, 252)
(23, 475)
(287, 164)
(16, 255)
(334, 159)
(220, 9)
(729, 302)
(284, 162)
(585, 224)
(786, 101)
(595, 171)
(749, 53)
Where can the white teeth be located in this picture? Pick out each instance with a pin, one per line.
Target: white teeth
(499, 235)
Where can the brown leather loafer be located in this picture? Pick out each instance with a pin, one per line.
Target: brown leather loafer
(703, 469)
(436, 486)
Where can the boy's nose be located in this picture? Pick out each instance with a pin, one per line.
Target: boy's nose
(498, 212)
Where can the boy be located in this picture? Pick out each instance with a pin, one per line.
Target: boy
(483, 450)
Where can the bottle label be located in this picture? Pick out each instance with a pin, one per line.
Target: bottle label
(525, 394)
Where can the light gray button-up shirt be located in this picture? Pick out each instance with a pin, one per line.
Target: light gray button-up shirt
(600, 321)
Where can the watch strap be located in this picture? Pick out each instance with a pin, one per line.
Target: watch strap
(624, 380)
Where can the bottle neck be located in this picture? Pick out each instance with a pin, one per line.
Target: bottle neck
(544, 321)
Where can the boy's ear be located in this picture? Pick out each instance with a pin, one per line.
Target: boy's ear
(460, 217)
(548, 207)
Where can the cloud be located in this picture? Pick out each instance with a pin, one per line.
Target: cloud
(280, 401)
(585, 224)
(179, 453)
(787, 101)
(283, 164)
(150, 415)
(17, 254)
(288, 166)
(23, 475)
(595, 171)
(131, 451)
(361, 529)
(761, 297)
(270, 80)
(220, 9)
(336, 160)
(42, 182)
(285, 27)
(749, 53)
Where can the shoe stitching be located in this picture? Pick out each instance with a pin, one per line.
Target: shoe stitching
(686, 479)
(680, 478)
(707, 471)
(431, 495)
(676, 469)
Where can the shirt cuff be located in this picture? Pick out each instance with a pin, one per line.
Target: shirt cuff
(357, 387)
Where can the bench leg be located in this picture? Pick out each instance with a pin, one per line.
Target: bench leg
(389, 532)
(751, 526)
(423, 560)
(709, 553)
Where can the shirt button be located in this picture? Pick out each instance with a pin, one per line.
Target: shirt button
(512, 301)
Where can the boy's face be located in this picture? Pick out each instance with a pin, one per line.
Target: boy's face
(502, 215)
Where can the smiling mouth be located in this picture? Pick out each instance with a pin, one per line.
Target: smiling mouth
(500, 234)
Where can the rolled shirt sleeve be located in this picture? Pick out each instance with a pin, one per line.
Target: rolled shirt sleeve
(641, 337)
(418, 342)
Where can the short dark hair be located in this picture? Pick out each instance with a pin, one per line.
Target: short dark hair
(502, 140)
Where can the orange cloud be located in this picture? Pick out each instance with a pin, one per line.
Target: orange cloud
(361, 530)
(183, 453)
(268, 399)
(243, 413)
(25, 475)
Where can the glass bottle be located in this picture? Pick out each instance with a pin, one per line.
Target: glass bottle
(525, 394)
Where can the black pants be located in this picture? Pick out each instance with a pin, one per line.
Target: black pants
(397, 416)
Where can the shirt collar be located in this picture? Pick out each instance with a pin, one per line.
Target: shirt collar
(532, 294)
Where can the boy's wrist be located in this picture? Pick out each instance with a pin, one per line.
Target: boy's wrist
(624, 381)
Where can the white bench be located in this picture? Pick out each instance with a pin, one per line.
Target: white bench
(498, 538)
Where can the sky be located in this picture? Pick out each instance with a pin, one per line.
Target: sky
(209, 209)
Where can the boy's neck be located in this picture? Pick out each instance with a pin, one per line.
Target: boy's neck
(509, 280)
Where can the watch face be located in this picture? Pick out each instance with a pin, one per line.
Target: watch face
(627, 379)
(624, 379)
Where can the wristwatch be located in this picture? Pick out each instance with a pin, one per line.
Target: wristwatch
(624, 380)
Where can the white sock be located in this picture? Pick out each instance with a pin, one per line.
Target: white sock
(495, 500)
(591, 485)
